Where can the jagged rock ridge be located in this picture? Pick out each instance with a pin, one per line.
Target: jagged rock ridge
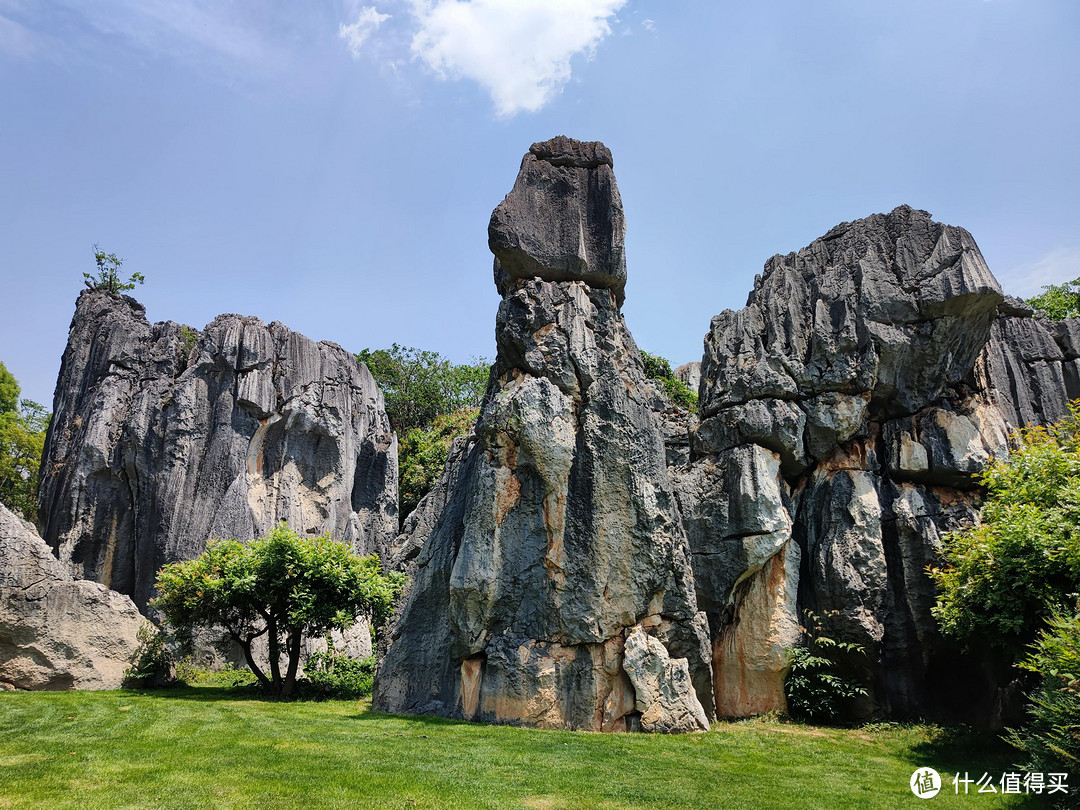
(845, 413)
(163, 438)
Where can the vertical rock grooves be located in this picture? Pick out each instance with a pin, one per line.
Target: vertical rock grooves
(560, 540)
(163, 438)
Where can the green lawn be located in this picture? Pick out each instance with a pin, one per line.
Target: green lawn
(210, 747)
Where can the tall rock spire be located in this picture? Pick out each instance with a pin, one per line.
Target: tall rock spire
(555, 587)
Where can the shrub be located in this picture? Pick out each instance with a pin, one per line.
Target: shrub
(1059, 301)
(814, 687)
(422, 454)
(107, 278)
(332, 673)
(1002, 579)
(153, 664)
(1051, 738)
(659, 369)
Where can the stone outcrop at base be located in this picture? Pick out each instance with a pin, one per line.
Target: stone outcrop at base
(57, 632)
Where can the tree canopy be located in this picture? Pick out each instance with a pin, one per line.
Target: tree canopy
(23, 424)
(1058, 301)
(282, 586)
(659, 369)
(420, 385)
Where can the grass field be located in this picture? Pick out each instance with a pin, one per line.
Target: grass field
(203, 747)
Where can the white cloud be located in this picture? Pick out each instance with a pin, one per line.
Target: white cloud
(355, 34)
(1056, 267)
(517, 50)
(649, 25)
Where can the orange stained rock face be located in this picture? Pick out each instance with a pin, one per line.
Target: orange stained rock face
(748, 677)
(471, 670)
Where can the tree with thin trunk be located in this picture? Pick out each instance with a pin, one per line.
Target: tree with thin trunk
(281, 586)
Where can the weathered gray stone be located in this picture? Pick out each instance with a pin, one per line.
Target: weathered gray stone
(894, 305)
(57, 632)
(663, 694)
(163, 438)
(560, 531)
(563, 220)
(690, 373)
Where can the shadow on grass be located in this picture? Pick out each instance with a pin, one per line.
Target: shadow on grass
(209, 694)
(972, 752)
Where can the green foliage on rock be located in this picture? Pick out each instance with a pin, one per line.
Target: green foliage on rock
(659, 369)
(23, 424)
(815, 688)
(108, 278)
(420, 385)
(1051, 737)
(422, 454)
(1003, 578)
(1058, 301)
(282, 586)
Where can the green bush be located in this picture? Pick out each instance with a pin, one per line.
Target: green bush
(1051, 738)
(227, 675)
(816, 690)
(422, 454)
(153, 664)
(334, 674)
(659, 369)
(108, 278)
(1059, 301)
(1003, 578)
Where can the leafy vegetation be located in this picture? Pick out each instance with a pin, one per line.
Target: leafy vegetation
(422, 453)
(333, 673)
(1051, 738)
(419, 386)
(659, 369)
(282, 586)
(107, 277)
(816, 690)
(1059, 301)
(1002, 579)
(430, 402)
(213, 747)
(23, 424)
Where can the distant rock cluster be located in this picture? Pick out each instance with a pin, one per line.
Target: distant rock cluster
(592, 557)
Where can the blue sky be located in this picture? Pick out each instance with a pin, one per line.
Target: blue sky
(333, 165)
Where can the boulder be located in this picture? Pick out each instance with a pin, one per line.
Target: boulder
(563, 220)
(57, 632)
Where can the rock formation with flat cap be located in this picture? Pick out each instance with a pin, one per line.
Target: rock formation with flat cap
(561, 540)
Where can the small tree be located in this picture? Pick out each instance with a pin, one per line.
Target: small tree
(1058, 301)
(108, 276)
(282, 586)
(814, 687)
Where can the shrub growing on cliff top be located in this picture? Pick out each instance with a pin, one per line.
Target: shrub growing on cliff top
(107, 277)
(1059, 301)
(282, 586)
(659, 369)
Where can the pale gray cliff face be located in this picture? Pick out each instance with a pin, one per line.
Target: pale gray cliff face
(57, 632)
(846, 411)
(560, 538)
(164, 438)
